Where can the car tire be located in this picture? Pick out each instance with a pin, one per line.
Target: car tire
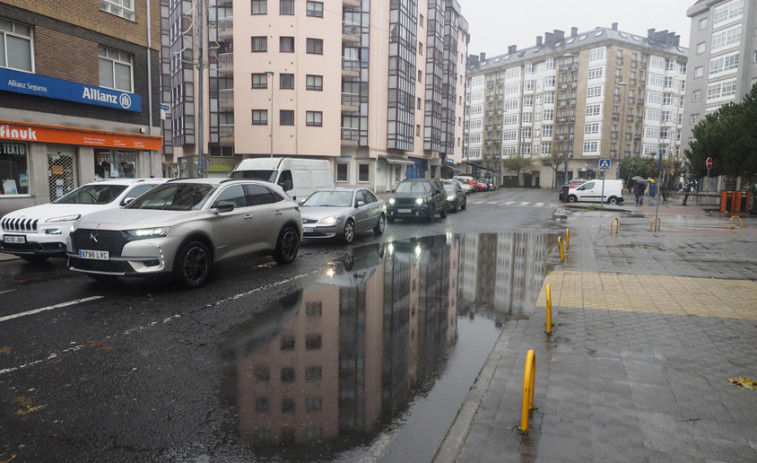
(192, 264)
(572, 199)
(443, 213)
(380, 226)
(34, 259)
(348, 234)
(612, 200)
(287, 246)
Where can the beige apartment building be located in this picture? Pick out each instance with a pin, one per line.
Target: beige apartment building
(571, 100)
(374, 87)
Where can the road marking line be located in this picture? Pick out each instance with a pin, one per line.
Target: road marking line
(50, 307)
(538, 204)
(509, 203)
(525, 203)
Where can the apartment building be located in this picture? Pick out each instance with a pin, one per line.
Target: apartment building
(722, 57)
(374, 87)
(567, 102)
(75, 96)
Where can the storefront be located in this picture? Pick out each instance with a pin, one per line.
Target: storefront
(39, 162)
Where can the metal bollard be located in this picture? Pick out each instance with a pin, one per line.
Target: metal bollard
(567, 238)
(615, 221)
(562, 251)
(549, 309)
(529, 374)
(737, 217)
(659, 224)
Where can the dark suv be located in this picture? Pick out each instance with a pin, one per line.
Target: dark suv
(418, 197)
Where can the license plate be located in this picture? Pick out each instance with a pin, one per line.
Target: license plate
(21, 239)
(309, 229)
(94, 255)
(404, 211)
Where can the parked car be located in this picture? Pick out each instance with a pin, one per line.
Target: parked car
(610, 191)
(472, 184)
(186, 226)
(417, 198)
(297, 176)
(342, 212)
(456, 199)
(38, 232)
(467, 188)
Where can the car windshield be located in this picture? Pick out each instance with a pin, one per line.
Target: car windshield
(174, 197)
(92, 194)
(329, 198)
(413, 187)
(449, 188)
(262, 175)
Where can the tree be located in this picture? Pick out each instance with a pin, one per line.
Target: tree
(518, 162)
(554, 161)
(641, 166)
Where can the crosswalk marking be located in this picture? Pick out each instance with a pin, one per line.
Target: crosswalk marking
(511, 203)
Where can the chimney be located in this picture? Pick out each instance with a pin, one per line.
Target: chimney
(472, 60)
(482, 57)
(650, 34)
(538, 40)
(559, 35)
(615, 26)
(512, 49)
(549, 39)
(573, 31)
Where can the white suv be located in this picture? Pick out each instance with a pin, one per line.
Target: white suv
(38, 232)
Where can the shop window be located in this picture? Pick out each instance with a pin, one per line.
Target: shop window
(64, 177)
(14, 168)
(115, 164)
(115, 69)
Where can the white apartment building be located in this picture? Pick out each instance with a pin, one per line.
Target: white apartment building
(601, 94)
(374, 87)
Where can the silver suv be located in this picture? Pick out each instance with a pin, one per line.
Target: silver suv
(184, 227)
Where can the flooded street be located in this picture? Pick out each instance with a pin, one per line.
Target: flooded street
(371, 360)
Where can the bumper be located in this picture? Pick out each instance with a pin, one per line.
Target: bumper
(407, 212)
(320, 232)
(33, 244)
(138, 258)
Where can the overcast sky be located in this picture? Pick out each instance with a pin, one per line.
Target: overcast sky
(496, 24)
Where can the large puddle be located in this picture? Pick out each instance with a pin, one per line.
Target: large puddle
(373, 358)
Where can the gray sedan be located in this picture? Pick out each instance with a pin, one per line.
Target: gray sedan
(342, 212)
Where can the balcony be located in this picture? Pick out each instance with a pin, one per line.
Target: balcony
(226, 64)
(226, 99)
(350, 102)
(226, 134)
(350, 136)
(225, 27)
(351, 32)
(224, 2)
(350, 67)
(351, 3)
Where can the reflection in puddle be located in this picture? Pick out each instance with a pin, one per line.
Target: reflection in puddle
(345, 360)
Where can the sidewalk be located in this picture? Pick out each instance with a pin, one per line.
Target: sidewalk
(647, 329)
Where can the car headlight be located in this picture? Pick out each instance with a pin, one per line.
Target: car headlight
(391, 201)
(148, 232)
(451, 198)
(419, 201)
(64, 218)
(329, 220)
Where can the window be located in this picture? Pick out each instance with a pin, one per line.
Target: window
(724, 64)
(595, 91)
(363, 174)
(286, 117)
(726, 38)
(315, 46)
(597, 54)
(701, 47)
(315, 9)
(17, 52)
(698, 72)
(596, 73)
(314, 118)
(286, 44)
(546, 131)
(549, 81)
(341, 172)
(259, 44)
(313, 82)
(418, 103)
(286, 7)
(696, 95)
(703, 24)
(721, 90)
(528, 86)
(115, 69)
(420, 76)
(591, 128)
(524, 133)
(512, 88)
(731, 10)
(122, 8)
(259, 117)
(420, 48)
(591, 147)
(14, 159)
(549, 114)
(420, 20)
(593, 110)
(259, 6)
(260, 80)
(286, 81)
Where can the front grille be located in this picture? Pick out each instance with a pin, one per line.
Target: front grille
(99, 240)
(308, 221)
(404, 202)
(109, 266)
(19, 225)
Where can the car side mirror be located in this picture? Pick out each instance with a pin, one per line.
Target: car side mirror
(224, 206)
(360, 203)
(127, 201)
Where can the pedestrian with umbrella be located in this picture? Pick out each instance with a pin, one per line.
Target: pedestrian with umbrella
(639, 188)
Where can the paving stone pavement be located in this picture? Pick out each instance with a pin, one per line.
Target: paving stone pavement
(648, 326)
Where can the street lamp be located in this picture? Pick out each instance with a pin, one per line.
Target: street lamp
(622, 116)
(270, 73)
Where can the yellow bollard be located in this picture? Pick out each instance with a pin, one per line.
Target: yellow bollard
(562, 251)
(529, 374)
(737, 217)
(659, 224)
(567, 238)
(615, 221)
(549, 309)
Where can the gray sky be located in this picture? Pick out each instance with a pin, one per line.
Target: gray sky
(495, 24)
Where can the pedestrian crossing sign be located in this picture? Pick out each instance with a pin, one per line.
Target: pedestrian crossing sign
(604, 164)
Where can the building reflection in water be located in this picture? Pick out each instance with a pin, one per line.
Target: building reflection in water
(369, 336)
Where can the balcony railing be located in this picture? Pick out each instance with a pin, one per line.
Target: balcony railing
(351, 31)
(226, 63)
(350, 135)
(225, 26)
(226, 134)
(226, 98)
(350, 100)
(350, 64)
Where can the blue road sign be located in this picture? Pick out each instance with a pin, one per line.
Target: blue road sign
(604, 164)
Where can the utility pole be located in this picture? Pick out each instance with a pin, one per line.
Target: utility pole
(271, 119)
(200, 88)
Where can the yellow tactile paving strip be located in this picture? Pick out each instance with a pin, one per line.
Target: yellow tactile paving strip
(657, 294)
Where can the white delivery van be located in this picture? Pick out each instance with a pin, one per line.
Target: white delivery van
(297, 176)
(592, 191)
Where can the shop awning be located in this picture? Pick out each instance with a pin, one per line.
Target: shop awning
(396, 160)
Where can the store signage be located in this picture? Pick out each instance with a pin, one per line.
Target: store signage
(13, 149)
(16, 131)
(49, 87)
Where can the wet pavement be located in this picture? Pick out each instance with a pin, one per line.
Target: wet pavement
(648, 327)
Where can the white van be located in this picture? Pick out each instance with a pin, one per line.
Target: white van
(592, 190)
(297, 176)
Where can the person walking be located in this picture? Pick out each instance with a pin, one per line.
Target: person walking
(639, 189)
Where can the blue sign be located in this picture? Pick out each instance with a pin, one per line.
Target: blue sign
(604, 164)
(49, 87)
